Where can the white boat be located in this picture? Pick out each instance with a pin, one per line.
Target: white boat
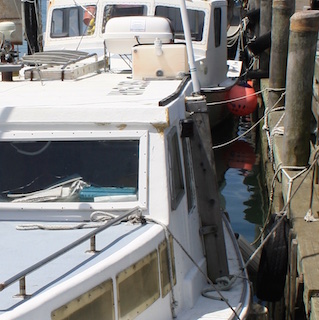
(109, 205)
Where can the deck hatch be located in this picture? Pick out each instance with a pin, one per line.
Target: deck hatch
(138, 287)
(98, 303)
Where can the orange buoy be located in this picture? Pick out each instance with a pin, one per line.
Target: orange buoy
(89, 14)
(247, 104)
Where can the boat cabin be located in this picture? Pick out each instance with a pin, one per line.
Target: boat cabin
(107, 210)
(86, 27)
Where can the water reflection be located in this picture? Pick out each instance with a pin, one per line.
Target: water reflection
(239, 177)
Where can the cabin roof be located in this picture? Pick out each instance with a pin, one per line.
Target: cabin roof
(97, 98)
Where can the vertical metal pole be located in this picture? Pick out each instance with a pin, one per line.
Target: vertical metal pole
(93, 244)
(304, 26)
(22, 287)
(189, 46)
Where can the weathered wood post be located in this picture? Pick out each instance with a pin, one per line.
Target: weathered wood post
(257, 30)
(265, 27)
(304, 26)
(207, 189)
(281, 13)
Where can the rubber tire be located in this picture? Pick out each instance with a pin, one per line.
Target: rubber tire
(272, 271)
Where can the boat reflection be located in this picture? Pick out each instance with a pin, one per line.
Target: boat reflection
(239, 176)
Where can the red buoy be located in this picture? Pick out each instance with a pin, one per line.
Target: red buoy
(247, 104)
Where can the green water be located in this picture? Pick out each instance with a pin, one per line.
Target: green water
(239, 177)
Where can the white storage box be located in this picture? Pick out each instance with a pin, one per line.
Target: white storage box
(147, 63)
(122, 33)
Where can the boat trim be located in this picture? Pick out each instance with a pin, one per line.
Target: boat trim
(245, 294)
(164, 102)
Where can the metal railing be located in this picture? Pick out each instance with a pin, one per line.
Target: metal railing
(90, 236)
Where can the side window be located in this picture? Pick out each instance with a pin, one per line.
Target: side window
(74, 26)
(217, 25)
(195, 17)
(73, 22)
(175, 168)
(57, 23)
(112, 10)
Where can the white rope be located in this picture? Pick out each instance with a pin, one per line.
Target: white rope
(283, 212)
(309, 214)
(98, 218)
(57, 192)
(222, 284)
(267, 111)
(31, 153)
(102, 216)
(41, 226)
(291, 179)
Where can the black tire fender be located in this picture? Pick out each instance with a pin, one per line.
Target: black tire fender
(272, 271)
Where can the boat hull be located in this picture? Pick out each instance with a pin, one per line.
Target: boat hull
(217, 108)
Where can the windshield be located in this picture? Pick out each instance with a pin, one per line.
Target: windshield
(78, 21)
(111, 11)
(73, 21)
(195, 17)
(72, 171)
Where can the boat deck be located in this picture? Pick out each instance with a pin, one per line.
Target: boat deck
(28, 247)
(33, 247)
(101, 92)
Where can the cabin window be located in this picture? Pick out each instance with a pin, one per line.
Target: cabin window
(217, 25)
(70, 171)
(175, 168)
(118, 10)
(195, 17)
(73, 21)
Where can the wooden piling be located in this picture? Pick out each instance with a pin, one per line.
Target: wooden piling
(304, 26)
(257, 26)
(265, 27)
(281, 13)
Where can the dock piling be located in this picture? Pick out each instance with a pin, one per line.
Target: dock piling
(265, 27)
(304, 26)
(281, 13)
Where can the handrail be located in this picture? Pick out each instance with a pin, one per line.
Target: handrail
(56, 57)
(22, 274)
(80, 59)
